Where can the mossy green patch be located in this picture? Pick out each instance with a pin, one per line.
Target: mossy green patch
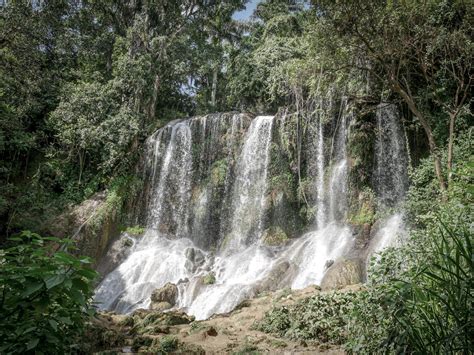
(209, 279)
(219, 172)
(135, 230)
(363, 210)
(275, 236)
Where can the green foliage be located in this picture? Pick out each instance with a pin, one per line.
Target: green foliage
(168, 344)
(94, 130)
(209, 279)
(435, 315)
(80, 89)
(122, 189)
(219, 172)
(321, 317)
(46, 296)
(135, 230)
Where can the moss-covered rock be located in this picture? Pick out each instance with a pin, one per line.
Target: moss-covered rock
(219, 172)
(362, 210)
(171, 344)
(209, 279)
(155, 322)
(168, 294)
(275, 236)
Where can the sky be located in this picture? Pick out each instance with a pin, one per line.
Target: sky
(245, 14)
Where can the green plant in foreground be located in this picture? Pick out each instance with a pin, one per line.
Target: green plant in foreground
(436, 313)
(45, 296)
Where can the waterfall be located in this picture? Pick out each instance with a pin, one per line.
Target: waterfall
(391, 180)
(321, 209)
(168, 212)
(339, 172)
(390, 177)
(207, 202)
(248, 195)
(332, 238)
(167, 250)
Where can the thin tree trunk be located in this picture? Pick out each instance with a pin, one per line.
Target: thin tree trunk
(154, 98)
(214, 87)
(429, 134)
(452, 121)
(81, 165)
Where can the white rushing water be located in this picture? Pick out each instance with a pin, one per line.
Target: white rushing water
(207, 193)
(391, 179)
(248, 196)
(321, 209)
(391, 233)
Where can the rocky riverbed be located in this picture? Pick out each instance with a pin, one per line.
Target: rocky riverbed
(152, 331)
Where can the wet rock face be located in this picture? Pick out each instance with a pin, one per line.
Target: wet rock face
(343, 272)
(116, 253)
(195, 259)
(165, 297)
(91, 224)
(276, 277)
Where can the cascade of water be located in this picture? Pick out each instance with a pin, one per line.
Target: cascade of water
(170, 198)
(216, 166)
(391, 232)
(313, 250)
(391, 180)
(331, 239)
(153, 262)
(248, 195)
(321, 209)
(390, 176)
(339, 172)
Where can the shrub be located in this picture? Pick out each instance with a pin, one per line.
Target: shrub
(322, 317)
(45, 295)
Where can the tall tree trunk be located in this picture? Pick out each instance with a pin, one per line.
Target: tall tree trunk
(214, 87)
(429, 133)
(81, 165)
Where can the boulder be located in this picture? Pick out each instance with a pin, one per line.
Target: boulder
(195, 258)
(166, 294)
(117, 252)
(276, 277)
(160, 306)
(342, 273)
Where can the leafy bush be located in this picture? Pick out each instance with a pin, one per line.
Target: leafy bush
(45, 295)
(322, 317)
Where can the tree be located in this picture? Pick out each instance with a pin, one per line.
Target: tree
(425, 59)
